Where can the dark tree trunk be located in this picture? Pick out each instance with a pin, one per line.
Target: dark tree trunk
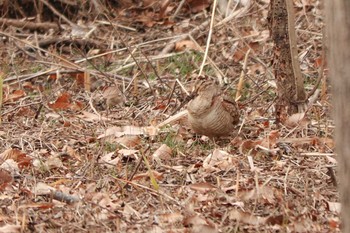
(289, 80)
(338, 33)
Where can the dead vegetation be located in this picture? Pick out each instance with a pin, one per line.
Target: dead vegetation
(93, 136)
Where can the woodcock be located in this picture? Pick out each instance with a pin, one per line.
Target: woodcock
(212, 112)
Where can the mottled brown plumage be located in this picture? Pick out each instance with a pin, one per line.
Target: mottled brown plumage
(212, 112)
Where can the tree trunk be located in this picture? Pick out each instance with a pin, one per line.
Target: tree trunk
(289, 80)
(338, 32)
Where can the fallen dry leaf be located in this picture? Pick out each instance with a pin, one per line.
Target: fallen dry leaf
(246, 217)
(198, 5)
(157, 175)
(129, 141)
(295, 120)
(90, 117)
(219, 160)
(8, 228)
(119, 131)
(162, 153)
(199, 224)
(334, 207)
(21, 158)
(110, 159)
(64, 102)
(129, 212)
(264, 192)
(39, 205)
(127, 152)
(14, 96)
(11, 166)
(5, 179)
(186, 45)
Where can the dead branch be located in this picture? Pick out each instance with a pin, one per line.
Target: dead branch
(28, 25)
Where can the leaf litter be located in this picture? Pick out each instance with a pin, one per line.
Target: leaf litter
(128, 162)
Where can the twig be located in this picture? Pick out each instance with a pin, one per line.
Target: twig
(172, 118)
(182, 87)
(158, 192)
(285, 181)
(320, 73)
(119, 26)
(188, 98)
(38, 111)
(317, 154)
(154, 69)
(217, 70)
(236, 14)
(208, 39)
(170, 96)
(178, 9)
(18, 107)
(132, 46)
(58, 13)
(66, 62)
(171, 44)
(156, 57)
(28, 25)
(136, 62)
(137, 167)
(241, 77)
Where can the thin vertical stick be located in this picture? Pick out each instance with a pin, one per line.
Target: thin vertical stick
(209, 38)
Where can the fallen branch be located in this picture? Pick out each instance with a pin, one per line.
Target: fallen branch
(28, 25)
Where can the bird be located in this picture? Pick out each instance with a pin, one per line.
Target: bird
(212, 112)
(113, 96)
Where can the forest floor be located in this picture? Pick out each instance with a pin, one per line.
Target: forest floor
(86, 144)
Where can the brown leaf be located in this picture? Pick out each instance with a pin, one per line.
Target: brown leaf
(127, 152)
(270, 141)
(248, 146)
(25, 111)
(21, 158)
(164, 8)
(5, 179)
(264, 192)
(199, 224)
(119, 131)
(129, 141)
(162, 153)
(91, 117)
(198, 5)
(186, 45)
(8, 228)
(39, 205)
(14, 96)
(334, 207)
(157, 175)
(64, 102)
(276, 220)
(295, 120)
(109, 159)
(240, 53)
(246, 217)
(219, 160)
